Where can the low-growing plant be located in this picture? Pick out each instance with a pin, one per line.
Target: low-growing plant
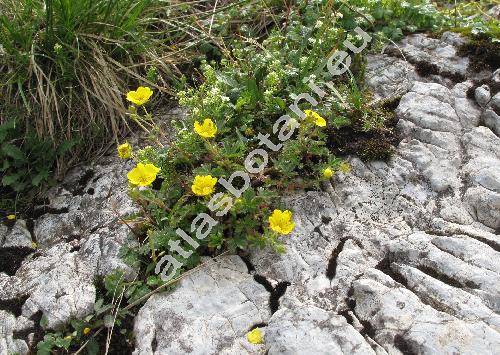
(234, 100)
(27, 163)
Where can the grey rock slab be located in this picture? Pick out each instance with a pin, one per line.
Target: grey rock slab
(420, 48)
(58, 283)
(418, 250)
(17, 237)
(305, 329)
(410, 242)
(79, 238)
(491, 120)
(388, 77)
(403, 323)
(209, 312)
(482, 95)
(495, 102)
(8, 344)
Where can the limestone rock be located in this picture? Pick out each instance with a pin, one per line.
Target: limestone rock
(209, 312)
(311, 330)
(17, 237)
(482, 95)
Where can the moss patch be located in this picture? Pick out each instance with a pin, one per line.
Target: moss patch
(482, 53)
(368, 145)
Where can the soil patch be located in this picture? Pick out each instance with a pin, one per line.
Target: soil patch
(12, 257)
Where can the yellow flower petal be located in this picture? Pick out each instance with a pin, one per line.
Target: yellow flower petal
(207, 129)
(203, 185)
(320, 122)
(125, 150)
(327, 173)
(140, 96)
(143, 174)
(11, 217)
(313, 116)
(86, 331)
(255, 336)
(281, 222)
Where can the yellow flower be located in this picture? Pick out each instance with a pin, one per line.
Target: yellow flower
(203, 185)
(249, 132)
(327, 173)
(207, 130)
(281, 222)
(140, 96)
(255, 336)
(345, 167)
(11, 217)
(315, 117)
(86, 331)
(143, 174)
(69, 337)
(125, 150)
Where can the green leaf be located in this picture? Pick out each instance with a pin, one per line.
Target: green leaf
(65, 147)
(14, 152)
(6, 165)
(92, 347)
(44, 322)
(9, 180)
(98, 304)
(42, 175)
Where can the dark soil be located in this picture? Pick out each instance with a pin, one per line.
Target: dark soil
(12, 257)
(367, 145)
(122, 341)
(482, 53)
(14, 305)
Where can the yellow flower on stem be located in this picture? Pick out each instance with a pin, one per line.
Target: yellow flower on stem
(327, 173)
(207, 129)
(140, 96)
(313, 116)
(203, 185)
(11, 217)
(125, 150)
(281, 222)
(143, 174)
(255, 336)
(86, 331)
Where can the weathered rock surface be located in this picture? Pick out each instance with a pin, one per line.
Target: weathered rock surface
(400, 257)
(210, 312)
(406, 251)
(76, 237)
